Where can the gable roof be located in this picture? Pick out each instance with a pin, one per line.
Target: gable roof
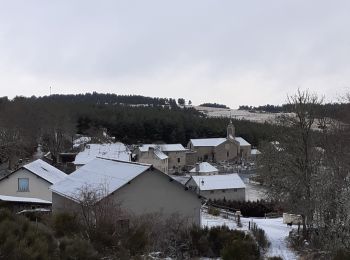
(255, 152)
(205, 167)
(213, 142)
(101, 175)
(45, 171)
(208, 141)
(242, 142)
(164, 147)
(116, 151)
(219, 182)
(160, 154)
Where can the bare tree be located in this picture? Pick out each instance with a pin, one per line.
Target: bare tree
(288, 167)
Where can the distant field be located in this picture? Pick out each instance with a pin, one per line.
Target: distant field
(238, 114)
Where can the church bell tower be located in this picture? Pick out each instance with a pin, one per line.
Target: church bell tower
(230, 131)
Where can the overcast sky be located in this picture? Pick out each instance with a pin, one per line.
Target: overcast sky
(232, 52)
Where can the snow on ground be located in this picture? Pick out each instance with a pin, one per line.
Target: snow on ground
(238, 114)
(276, 232)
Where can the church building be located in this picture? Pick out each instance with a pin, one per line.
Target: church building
(231, 148)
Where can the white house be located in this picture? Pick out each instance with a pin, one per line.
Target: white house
(227, 186)
(204, 168)
(31, 181)
(139, 188)
(116, 151)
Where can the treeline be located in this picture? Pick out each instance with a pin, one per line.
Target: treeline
(213, 105)
(111, 99)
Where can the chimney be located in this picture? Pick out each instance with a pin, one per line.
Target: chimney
(197, 167)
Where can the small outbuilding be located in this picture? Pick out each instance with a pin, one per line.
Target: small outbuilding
(204, 168)
(226, 186)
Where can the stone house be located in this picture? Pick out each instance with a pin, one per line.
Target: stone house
(226, 186)
(31, 181)
(153, 155)
(173, 154)
(139, 188)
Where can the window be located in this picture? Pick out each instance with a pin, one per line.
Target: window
(223, 190)
(228, 154)
(23, 184)
(178, 160)
(235, 190)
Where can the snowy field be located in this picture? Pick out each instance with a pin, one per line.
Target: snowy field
(238, 114)
(276, 232)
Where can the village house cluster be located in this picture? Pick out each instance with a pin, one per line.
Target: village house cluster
(167, 178)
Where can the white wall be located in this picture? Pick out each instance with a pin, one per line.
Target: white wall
(38, 187)
(228, 194)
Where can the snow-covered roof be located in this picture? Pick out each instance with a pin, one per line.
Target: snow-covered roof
(160, 154)
(207, 141)
(219, 182)
(255, 152)
(23, 199)
(81, 140)
(181, 179)
(164, 147)
(45, 171)
(241, 141)
(101, 175)
(205, 167)
(115, 151)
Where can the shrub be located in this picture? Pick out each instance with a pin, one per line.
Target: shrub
(137, 241)
(65, 224)
(20, 239)
(240, 249)
(342, 255)
(261, 238)
(211, 242)
(77, 249)
(248, 208)
(213, 211)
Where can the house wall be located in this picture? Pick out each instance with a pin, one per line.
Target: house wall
(245, 151)
(228, 194)
(227, 151)
(218, 153)
(150, 158)
(191, 159)
(151, 192)
(204, 153)
(38, 187)
(62, 204)
(174, 164)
